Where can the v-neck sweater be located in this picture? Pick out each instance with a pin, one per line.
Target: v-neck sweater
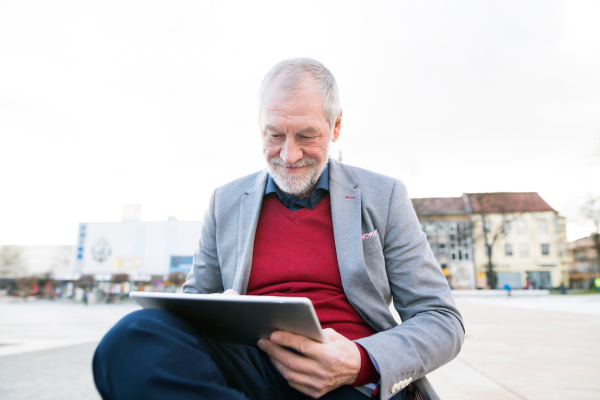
(295, 256)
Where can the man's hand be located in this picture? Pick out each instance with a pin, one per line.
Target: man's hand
(324, 366)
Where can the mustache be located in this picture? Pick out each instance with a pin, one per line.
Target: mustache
(303, 162)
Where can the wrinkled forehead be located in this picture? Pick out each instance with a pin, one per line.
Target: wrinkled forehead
(281, 99)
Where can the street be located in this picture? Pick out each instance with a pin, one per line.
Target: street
(515, 348)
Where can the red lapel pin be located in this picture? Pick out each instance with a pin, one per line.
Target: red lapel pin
(348, 197)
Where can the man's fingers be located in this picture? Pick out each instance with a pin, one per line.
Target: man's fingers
(333, 364)
(308, 390)
(299, 343)
(289, 359)
(300, 381)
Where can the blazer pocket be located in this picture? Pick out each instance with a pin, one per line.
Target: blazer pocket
(371, 244)
(375, 265)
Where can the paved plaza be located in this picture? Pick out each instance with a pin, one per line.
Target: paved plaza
(515, 348)
(522, 348)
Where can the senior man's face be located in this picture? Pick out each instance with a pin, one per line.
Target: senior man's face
(296, 137)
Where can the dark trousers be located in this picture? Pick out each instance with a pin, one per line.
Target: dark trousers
(153, 354)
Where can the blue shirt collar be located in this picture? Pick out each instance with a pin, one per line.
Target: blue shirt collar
(293, 203)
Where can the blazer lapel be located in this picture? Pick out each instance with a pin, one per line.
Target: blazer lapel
(346, 213)
(249, 213)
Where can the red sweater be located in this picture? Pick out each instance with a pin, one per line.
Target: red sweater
(295, 256)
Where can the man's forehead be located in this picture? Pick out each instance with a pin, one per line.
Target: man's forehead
(282, 122)
(303, 103)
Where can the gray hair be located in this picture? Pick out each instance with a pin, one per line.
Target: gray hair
(293, 71)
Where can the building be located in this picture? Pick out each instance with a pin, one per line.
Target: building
(524, 235)
(585, 266)
(447, 224)
(143, 250)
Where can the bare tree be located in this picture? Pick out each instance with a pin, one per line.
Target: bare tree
(484, 205)
(62, 259)
(591, 211)
(11, 261)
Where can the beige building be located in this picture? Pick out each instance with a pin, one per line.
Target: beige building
(526, 236)
(584, 267)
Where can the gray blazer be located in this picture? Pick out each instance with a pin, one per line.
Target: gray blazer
(395, 264)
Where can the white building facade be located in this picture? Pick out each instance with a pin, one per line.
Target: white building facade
(137, 248)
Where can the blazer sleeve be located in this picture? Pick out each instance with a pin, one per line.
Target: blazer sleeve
(205, 275)
(432, 332)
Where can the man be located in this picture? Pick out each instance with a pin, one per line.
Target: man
(308, 226)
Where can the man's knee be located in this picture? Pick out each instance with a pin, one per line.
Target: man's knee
(140, 356)
(133, 343)
(139, 327)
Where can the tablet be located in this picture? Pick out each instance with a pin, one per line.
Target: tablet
(238, 319)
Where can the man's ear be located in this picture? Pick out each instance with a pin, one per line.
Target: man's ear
(337, 128)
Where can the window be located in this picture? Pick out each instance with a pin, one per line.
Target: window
(508, 249)
(429, 227)
(486, 226)
(440, 228)
(506, 227)
(545, 249)
(442, 248)
(559, 247)
(557, 224)
(543, 226)
(580, 255)
(524, 249)
(521, 225)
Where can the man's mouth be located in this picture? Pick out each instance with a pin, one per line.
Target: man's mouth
(278, 162)
(293, 167)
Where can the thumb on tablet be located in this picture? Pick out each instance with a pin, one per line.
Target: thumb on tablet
(231, 292)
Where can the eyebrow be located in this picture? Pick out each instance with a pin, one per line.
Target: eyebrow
(311, 129)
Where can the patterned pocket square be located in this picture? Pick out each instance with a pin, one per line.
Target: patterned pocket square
(369, 235)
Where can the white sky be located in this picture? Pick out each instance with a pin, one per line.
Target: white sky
(113, 102)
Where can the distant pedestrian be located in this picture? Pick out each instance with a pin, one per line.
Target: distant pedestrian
(597, 283)
(508, 289)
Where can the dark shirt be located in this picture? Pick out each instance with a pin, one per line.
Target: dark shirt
(293, 203)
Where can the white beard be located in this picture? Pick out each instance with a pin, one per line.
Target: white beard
(297, 185)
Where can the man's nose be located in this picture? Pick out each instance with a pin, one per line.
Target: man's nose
(291, 152)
